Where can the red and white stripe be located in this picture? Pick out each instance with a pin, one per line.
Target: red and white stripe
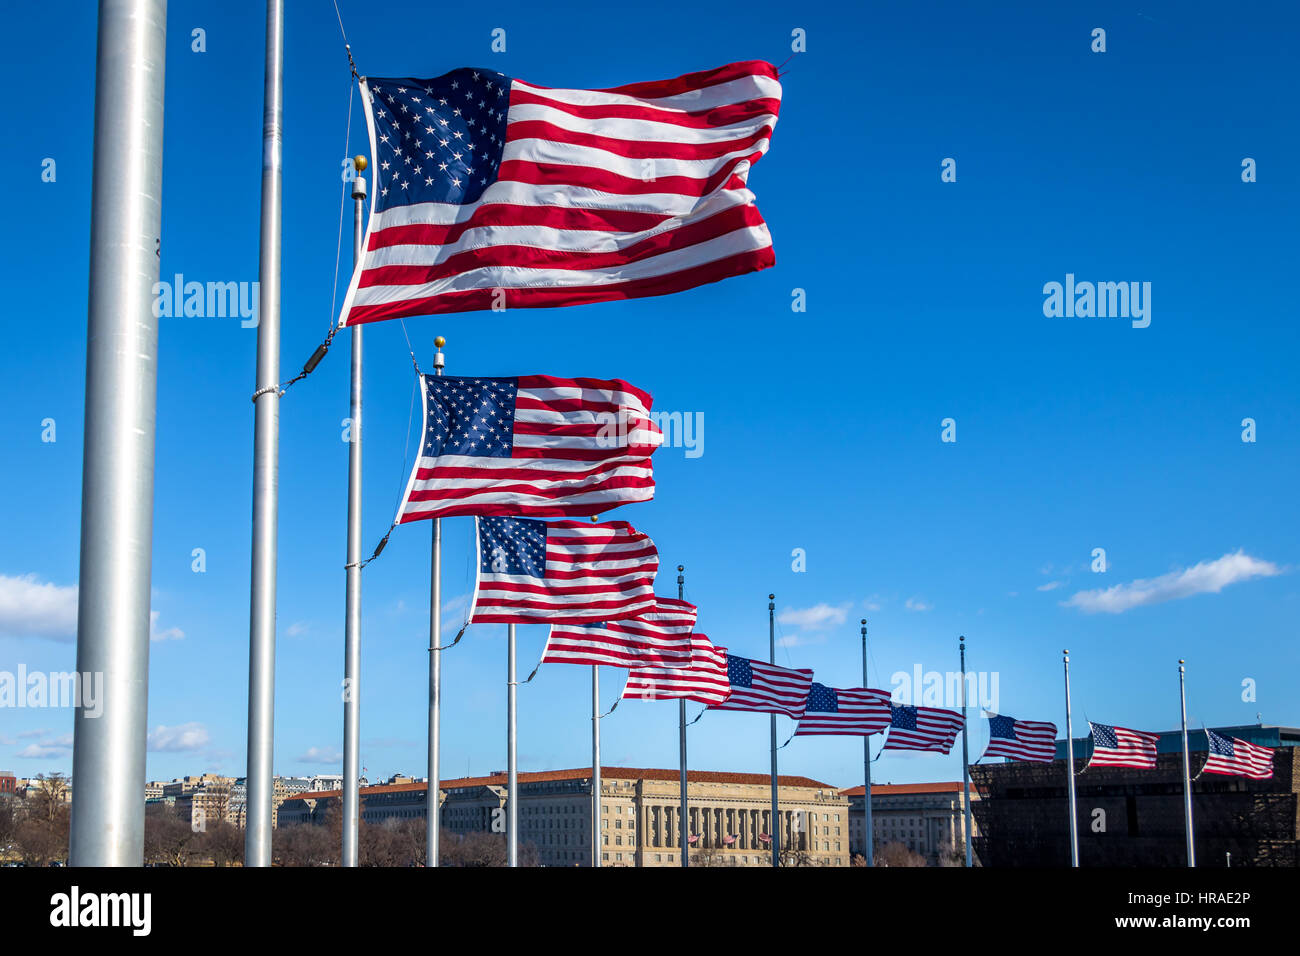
(619, 193)
(705, 680)
(594, 572)
(773, 690)
(1136, 749)
(659, 636)
(581, 445)
(936, 731)
(862, 711)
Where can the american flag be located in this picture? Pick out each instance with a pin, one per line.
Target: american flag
(766, 688)
(660, 635)
(1236, 758)
(1121, 747)
(570, 572)
(1021, 739)
(494, 193)
(535, 446)
(922, 728)
(857, 710)
(705, 680)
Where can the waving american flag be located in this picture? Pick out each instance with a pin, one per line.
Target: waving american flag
(659, 635)
(705, 680)
(1121, 747)
(534, 445)
(1234, 757)
(766, 688)
(923, 728)
(857, 710)
(538, 572)
(1021, 739)
(494, 193)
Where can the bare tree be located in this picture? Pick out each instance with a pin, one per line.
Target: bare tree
(896, 854)
(168, 839)
(51, 796)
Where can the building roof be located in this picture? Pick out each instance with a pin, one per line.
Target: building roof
(584, 773)
(897, 789)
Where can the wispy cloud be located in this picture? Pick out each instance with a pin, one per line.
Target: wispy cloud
(819, 617)
(1050, 586)
(322, 755)
(916, 604)
(297, 629)
(33, 608)
(156, 634)
(46, 746)
(179, 739)
(1207, 577)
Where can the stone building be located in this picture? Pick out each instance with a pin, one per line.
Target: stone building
(927, 818)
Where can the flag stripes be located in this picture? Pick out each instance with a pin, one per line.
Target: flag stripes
(705, 680)
(660, 635)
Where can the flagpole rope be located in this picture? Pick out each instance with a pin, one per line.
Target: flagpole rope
(783, 746)
(697, 717)
(459, 635)
(611, 710)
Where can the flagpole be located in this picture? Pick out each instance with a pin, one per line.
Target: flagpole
(771, 659)
(512, 768)
(108, 751)
(266, 463)
(1187, 767)
(684, 821)
(352, 601)
(595, 766)
(866, 763)
(433, 787)
(965, 753)
(1069, 756)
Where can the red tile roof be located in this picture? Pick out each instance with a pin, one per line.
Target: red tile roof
(582, 773)
(887, 789)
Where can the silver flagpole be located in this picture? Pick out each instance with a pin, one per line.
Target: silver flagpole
(1187, 767)
(433, 788)
(1069, 757)
(866, 763)
(684, 825)
(108, 750)
(965, 754)
(595, 766)
(512, 762)
(266, 464)
(771, 659)
(352, 602)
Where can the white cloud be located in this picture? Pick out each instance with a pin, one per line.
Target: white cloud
(1050, 586)
(872, 603)
(1207, 577)
(916, 604)
(178, 739)
(32, 608)
(297, 629)
(816, 618)
(171, 634)
(46, 746)
(322, 755)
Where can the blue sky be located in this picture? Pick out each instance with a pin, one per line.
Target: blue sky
(822, 429)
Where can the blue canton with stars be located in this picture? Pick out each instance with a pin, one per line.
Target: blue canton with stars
(1220, 745)
(469, 416)
(902, 716)
(1003, 728)
(822, 700)
(739, 672)
(1104, 736)
(512, 546)
(438, 140)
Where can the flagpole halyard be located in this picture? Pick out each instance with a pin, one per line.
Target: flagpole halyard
(1069, 758)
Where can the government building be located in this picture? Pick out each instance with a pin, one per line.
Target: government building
(728, 825)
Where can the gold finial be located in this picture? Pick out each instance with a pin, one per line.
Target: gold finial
(360, 163)
(439, 341)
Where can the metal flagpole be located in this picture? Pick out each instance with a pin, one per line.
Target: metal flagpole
(352, 602)
(866, 763)
(433, 787)
(512, 763)
(1069, 756)
(771, 659)
(1187, 767)
(965, 753)
(108, 751)
(595, 766)
(684, 825)
(266, 463)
